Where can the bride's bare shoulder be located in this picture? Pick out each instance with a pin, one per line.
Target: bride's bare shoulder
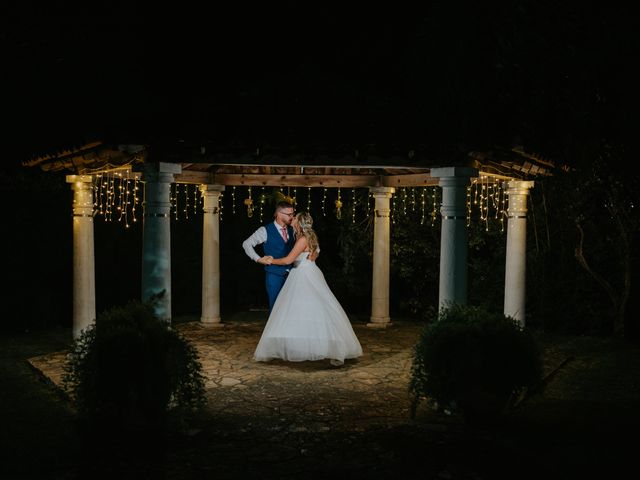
(302, 241)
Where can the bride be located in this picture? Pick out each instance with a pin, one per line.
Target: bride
(307, 322)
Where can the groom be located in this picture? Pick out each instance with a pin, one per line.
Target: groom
(277, 239)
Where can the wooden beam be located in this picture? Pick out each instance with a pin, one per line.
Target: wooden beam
(198, 178)
(270, 180)
(409, 180)
(329, 181)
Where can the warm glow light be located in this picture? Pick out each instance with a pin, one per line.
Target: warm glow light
(338, 204)
(117, 190)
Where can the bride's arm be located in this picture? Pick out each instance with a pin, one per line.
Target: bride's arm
(299, 247)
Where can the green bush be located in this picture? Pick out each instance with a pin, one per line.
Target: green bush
(473, 361)
(132, 370)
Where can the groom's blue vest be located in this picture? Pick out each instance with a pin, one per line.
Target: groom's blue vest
(277, 248)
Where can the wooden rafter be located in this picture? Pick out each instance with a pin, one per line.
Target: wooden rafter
(277, 171)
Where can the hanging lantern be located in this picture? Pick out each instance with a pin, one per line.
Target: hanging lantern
(249, 203)
(338, 209)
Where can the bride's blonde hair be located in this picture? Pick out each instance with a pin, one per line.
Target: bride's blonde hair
(305, 224)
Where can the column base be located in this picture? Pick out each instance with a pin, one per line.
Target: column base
(214, 322)
(378, 322)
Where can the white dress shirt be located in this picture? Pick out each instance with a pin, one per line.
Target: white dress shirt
(256, 238)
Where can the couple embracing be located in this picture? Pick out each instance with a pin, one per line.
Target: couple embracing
(306, 321)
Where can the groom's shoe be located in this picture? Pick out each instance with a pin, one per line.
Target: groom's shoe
(336, 363)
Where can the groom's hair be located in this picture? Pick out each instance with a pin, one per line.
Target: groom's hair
(281, 205)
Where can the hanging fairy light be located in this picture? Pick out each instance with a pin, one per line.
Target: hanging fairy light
(117, 193)
(114, 195)
(392, 208)
(174, 199)
(497, 200)
(197, 194)
(404, 201)
(117, 196)
(353, 205)
(111, 197)
(468, 205)
(233, 200)
(475, 192)
(262, 200)
(120, 201)
(485, 203)
(185, 191)
(105, 196)
(127, 201)
(115, 190)
(136, 199)
(97, 193)
(324, 201)
(503, 207)
(434, 208)
(104, 186)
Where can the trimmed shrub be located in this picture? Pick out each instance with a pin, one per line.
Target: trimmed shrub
(132, 370)
(473, 361)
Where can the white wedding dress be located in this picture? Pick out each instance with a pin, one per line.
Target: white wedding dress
(307, 322)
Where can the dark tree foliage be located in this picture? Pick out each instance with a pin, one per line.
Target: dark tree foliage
(486, 262)
(585, 255)
(37, 245)
(415, 263)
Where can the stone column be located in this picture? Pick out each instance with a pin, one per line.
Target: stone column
(84, 270)
(516, 261)
(156, 235)
(381, 252)
(454, 239)
(211, 255)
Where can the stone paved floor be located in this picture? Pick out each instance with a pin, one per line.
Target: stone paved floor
(290, 415)
(369, 384)
(310, 420)
(374, 385)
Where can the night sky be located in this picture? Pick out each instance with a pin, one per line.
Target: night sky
(454, 75)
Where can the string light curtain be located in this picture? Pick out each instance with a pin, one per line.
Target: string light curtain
(117, 199)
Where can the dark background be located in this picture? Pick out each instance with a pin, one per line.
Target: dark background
(448, 76)
(454, 75)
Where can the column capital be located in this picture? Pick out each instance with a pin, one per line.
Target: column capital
(79, 178)
(521, 187)
(462, 172)
(211, 189)
(159, 167)
(382, 191)
(160, 172)
(211, 195)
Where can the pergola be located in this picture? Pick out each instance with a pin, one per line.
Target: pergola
(213, 171)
